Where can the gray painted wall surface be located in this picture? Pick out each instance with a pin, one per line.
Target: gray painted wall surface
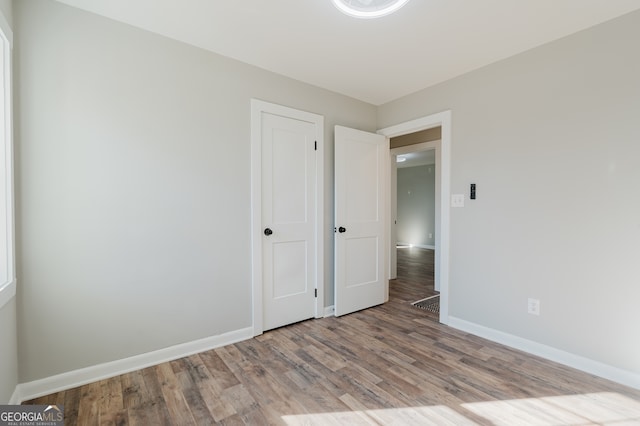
(7, 9)
(133, 181)
(133, 190)
(8, 351)
(416, 205)
(551, 138)
(8, 338)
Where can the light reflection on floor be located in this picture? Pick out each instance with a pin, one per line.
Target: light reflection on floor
(606, 408)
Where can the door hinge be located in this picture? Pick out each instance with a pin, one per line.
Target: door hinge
(316, 292)
(315, 146)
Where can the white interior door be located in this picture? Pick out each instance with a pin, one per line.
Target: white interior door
(288, 220)
(361, 161)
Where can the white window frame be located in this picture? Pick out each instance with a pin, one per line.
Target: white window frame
(7, 228)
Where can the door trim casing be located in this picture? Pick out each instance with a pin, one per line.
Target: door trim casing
(442, 119)
(258, 107)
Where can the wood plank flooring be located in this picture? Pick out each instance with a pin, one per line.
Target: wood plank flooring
(392, 364)
(415, 276)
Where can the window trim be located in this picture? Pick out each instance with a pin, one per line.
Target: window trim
(7, 288)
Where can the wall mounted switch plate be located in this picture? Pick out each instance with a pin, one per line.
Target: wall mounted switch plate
(457, 200)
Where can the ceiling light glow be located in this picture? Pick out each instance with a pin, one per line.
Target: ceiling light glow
(368, 8)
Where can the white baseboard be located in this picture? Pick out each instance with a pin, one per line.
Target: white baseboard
(15, 398)
(587, 365)
(72, 379)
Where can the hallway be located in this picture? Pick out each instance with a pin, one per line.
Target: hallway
(415, 278)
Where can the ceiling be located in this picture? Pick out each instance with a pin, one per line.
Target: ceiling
(374, 60)
(418, 158)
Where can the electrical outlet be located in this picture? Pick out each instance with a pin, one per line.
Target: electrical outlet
(533, 306)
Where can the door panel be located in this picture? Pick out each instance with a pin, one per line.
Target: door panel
(290, 268)
(288, 171)
(361, 184)
(360, 173)
(288, 210)
(362, 267)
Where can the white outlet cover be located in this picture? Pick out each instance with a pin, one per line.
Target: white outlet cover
(457, 200)
(533, 306)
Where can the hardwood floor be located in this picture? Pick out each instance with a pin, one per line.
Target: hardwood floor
(415, 275)
(392, 364)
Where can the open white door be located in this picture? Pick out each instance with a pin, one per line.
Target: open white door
(361, 161)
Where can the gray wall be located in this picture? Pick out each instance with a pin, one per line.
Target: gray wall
(8, 351)
(7, 10)
(133, 182)
(8, 339)
(416, 205)
(133, 190)
(551, 138)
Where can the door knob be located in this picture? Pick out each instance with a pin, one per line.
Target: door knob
(268, 231)
(342, 229)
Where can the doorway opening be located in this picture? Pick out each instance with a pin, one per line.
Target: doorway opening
(415, 206)
(410, 138)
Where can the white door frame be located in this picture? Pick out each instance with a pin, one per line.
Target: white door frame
(259, 107)
(443, 120)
